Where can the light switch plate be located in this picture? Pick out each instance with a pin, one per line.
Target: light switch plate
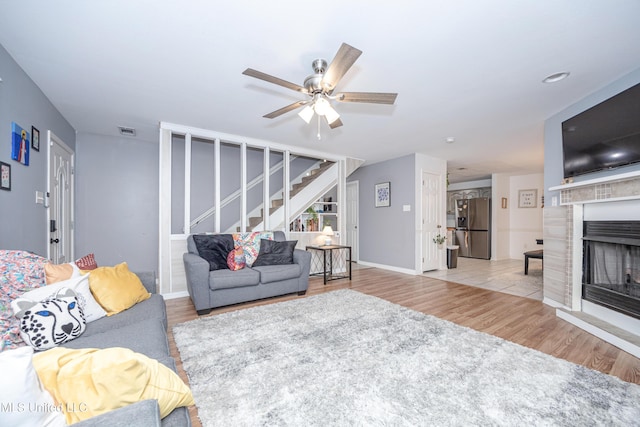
(39, 198)
(406, 208)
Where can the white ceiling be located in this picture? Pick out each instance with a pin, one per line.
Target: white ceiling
(466, 69)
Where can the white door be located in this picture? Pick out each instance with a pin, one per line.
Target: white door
(431, 253)
(351, 212)
(60, 191)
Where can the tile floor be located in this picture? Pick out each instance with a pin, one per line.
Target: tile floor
(503, 276)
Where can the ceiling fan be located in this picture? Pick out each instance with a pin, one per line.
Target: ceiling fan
(320, 85)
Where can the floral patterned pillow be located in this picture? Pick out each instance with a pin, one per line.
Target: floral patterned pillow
(250, 243)
(236, 260)
(20, 271)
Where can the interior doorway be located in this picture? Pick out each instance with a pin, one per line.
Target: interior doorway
(351, 212)
(60, 212)
(431, 226)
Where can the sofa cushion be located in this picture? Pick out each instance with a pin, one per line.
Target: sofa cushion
(148, 337)
(50, 322)
(275, 253)
(100, 380)
(152, 308)
(223, 279)
(116, 288)
(214, 248)
(276, 273)
(55, 273)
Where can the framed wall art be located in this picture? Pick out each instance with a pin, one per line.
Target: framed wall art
(5, 176)
(527, 198)
(19, 144)
(383, 194)
(35, 138)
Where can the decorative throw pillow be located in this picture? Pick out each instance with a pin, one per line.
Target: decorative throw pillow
(116, 288)
(87, 262)
(80, 285)
(275, 253)
(53, 321)
(100, 380)
(236, 260)
(24, 401)
(214, 248)
(20, 271)
(250, 243)
(58, 272)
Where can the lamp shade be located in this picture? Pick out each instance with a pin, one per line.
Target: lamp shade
(327, 230)
(306, 113)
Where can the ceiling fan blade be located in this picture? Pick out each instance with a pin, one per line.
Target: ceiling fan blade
(336, 124)
(370, 97)
(268, 78)
(286, 109)
(344, 59)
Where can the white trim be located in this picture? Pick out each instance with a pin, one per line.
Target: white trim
(600, 333)
(51, 139)
(266, 199)
(186, 227)
(243, 187)
(553, 303)
(253, 142)
(216, 170)
(601, 180)
(389, 268)
(174, 295)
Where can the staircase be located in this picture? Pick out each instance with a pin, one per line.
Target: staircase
(301, 196)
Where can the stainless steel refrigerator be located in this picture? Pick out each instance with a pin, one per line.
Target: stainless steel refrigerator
(473, 227)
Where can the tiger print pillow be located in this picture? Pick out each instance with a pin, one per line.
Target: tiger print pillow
(51, 322)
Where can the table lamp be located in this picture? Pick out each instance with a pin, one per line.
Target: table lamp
(328, 232)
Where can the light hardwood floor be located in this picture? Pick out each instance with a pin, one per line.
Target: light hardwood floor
(525, 321)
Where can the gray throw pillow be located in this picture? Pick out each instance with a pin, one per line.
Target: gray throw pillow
(275, 253)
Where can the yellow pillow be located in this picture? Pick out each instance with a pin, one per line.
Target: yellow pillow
(55, 273)
(116, 288)
(88, 381)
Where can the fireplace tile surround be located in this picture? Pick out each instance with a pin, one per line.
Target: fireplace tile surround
(563, 244)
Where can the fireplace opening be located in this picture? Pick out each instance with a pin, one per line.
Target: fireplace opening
(611, 265)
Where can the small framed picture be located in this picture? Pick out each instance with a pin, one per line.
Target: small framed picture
(527, 198)
(383, 195)
(35, 138)
(5, 176)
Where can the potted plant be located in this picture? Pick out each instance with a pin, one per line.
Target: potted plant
(312, 222)
(439, 239)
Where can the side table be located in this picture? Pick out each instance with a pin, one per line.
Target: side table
(332, 261)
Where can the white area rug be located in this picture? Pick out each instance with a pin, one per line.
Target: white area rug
(344, 358)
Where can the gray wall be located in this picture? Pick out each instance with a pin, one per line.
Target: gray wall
(387, 235)
(117, 200)
(22, 221)
(553, 168)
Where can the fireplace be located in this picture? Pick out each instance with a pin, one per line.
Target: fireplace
(611, 265)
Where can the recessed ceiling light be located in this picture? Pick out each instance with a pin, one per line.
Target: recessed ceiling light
(556, 77)
(450, 140)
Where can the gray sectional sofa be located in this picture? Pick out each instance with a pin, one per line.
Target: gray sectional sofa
(216, 288)
(143, 329)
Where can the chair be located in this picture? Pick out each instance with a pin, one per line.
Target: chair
(537, 254)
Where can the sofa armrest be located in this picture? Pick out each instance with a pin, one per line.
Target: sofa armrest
(148, 279)
(196, 269)
(303, 258)
(140, 414)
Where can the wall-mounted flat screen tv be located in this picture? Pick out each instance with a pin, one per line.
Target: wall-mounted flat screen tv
(605, 136)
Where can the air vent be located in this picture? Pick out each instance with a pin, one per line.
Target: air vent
(127, 131)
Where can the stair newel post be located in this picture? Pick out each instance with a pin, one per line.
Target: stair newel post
(266, 197)
(285, 191)
(243, 186)
(216, 195)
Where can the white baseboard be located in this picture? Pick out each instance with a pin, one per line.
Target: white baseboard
(388, 267)
(174, 295)
(554, 303)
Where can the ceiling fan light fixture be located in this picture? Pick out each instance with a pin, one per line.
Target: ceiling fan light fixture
(306, 114)
(331, 115)
(321, 106)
